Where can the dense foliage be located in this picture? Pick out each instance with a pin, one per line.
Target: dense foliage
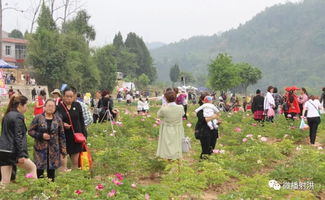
(63, 55)
(285, 41)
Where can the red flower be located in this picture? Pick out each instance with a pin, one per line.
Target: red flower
(99, 187)
(119, 176)
(78, 192)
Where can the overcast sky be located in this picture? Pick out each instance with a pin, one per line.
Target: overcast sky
(155, 20)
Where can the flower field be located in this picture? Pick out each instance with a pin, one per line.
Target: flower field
(246, 158)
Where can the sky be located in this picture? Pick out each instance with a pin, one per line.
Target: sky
(164, 21)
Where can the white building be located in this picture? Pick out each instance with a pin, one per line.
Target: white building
(13, 50)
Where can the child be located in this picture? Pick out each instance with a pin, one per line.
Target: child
(208, 110)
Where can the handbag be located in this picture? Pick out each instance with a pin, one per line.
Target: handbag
(78, 137)
(270, 112)
(85, 160)
(186, 144)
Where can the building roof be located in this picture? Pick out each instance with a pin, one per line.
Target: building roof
(14, 40)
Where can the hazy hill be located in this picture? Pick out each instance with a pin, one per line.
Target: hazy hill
(287, 42)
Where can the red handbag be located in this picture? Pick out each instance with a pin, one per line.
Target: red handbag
(78, 137)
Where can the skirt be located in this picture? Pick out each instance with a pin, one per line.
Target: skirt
(259, 115)
(8, 159)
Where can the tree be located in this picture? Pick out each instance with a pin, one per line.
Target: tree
(136, 45)
(16, 34)
(80, 25)
(142, 81)
(174, 74)
(188, 76)
(46, 51)
(118, 41)
(45, 20)
(106, 63)
(222, 73)
(249, 75)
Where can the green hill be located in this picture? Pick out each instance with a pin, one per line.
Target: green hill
(287, 42)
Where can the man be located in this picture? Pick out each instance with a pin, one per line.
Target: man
(88, 118)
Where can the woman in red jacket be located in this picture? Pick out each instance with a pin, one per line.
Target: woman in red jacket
(39, 105)
(293, 104)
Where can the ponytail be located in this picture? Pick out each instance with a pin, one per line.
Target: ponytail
(14, 103)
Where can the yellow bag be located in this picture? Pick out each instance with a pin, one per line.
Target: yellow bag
(85, 161)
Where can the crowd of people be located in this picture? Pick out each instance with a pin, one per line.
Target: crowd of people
(59, 119)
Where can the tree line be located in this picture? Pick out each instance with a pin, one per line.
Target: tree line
(63, 55)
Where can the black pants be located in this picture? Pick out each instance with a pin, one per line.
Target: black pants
(185, 110)
(313, 123)
(50, 173)
(208, 143)
(95, 118)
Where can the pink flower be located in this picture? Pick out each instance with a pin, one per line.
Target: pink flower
(245, 139)
(134, 185)
(263, 139)
(249, 135)
(143, 119)
(29, 175)
(78, 192)
(111, 193)
(189, 125)
(99, 187)
(184, 118)
(216, 151)
(119, 176)
(254, 124)
(113, 122)
(320, 148)
(289, 115)
(158, 121)
(116, 182)
(147, 197)
(238, 130)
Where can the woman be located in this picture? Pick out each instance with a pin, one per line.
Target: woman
(106, 104)
(313, 118)
(302, 99)
(140, 106)
(13, 140)
(48, 132)
(171, 130)
(258, 106)
(208, 137)
(269, 104)
(94, 105)
(56, 95)
(73, 122)
(293, 105)
(277, 100)
(38, 108)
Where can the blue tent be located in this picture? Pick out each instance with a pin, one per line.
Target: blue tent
(3, 64)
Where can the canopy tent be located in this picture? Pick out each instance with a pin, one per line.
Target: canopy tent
(5, 65)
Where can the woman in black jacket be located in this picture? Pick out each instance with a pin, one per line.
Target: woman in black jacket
(13, 140)
(258, 106)
(207, 137)
(69, 109)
